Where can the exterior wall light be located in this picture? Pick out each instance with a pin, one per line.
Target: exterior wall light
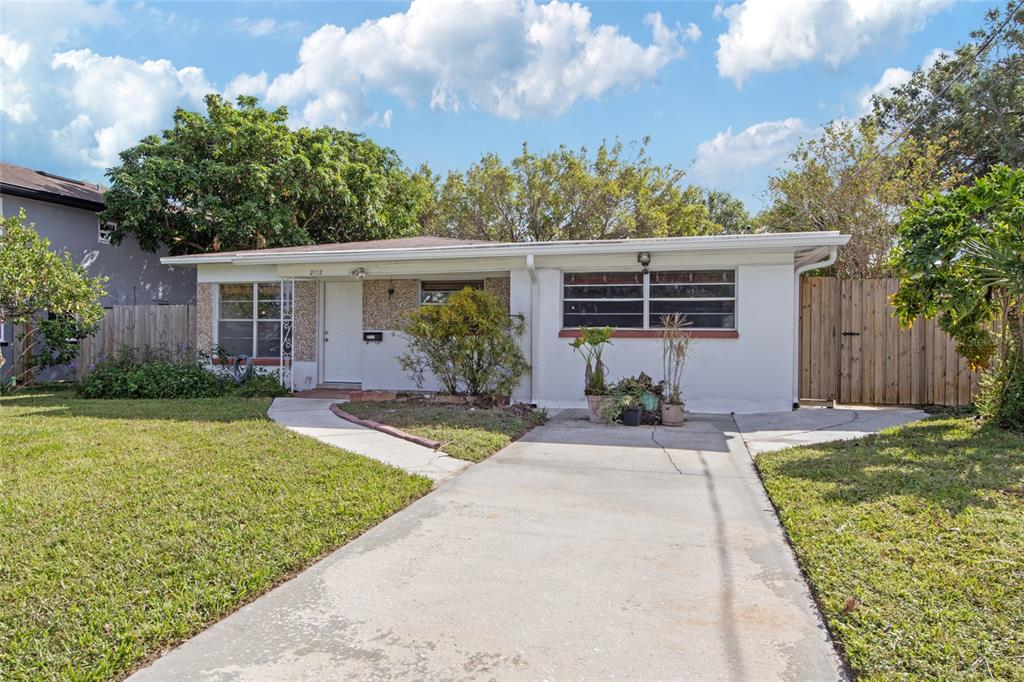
(644, 259)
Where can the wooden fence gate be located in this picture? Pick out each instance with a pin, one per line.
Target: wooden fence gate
(853, 350)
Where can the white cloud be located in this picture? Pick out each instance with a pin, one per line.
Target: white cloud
(512, 60)
(14, 90)
(759, 145)
(894, 77)
(265, 26)
(692, 32)
(119, 100)
(770, 35)
(246, 84)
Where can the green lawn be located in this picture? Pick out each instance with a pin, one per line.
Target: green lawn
(913, 541)
(467, 433)
(128, 526)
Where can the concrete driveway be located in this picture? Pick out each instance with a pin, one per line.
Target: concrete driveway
(581, 552)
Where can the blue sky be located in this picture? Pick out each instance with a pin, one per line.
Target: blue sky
(724, 90)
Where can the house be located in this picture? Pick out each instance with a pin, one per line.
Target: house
(330, 314)
(65, 212)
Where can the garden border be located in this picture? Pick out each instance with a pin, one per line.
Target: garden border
(384, 428)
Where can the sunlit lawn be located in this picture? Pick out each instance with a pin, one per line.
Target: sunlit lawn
(127, 526)
(914, 543)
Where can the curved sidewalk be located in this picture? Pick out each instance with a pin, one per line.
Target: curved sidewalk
(314, 418)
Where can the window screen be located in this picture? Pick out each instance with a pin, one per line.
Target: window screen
(249, 321)
(705, 298)
(435, 293)
(600, 299)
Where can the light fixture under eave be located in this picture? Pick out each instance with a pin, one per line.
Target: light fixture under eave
(359, 272)
(644, 259)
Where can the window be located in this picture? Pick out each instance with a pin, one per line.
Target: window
(634, 300)
(249, 321)
(435, 293)
(705, 298)
(600, 299)
(103, 232)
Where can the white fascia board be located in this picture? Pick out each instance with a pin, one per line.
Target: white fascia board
(789, 241)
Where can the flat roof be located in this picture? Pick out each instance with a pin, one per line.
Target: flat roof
(430, 248)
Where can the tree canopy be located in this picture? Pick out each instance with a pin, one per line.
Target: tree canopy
(33, 280)
(616, 191)
(960, 259)
(847, 180)
(237, 177)
(975, 96)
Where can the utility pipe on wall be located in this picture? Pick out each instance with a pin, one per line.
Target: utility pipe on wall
(535, 334)
(833, 252)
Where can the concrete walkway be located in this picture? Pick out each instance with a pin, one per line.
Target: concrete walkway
(580, 552)
(312, 417)
(777, 430)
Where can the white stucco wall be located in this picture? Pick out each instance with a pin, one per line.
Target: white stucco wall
(752, 373)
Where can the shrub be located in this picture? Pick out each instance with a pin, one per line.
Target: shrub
(1002, 394)
(157, 379)
(260, 385)
(468, 343)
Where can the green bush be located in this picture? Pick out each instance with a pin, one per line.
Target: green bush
(469, 344)
(1002, 395)
(154, 375)
(261, 386)
(158, 379)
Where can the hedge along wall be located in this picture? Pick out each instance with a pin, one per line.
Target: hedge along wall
(388, 311)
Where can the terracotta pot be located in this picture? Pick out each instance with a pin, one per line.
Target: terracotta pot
(596, 405)
(672, 415)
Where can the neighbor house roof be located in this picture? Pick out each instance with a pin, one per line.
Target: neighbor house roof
(805, 244)
(42, 186)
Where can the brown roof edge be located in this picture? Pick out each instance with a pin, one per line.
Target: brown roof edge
(42, 186)
(398, 243)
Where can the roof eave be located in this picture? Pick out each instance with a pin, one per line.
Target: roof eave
(773, 242)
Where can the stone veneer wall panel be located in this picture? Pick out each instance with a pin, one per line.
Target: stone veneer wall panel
(382, 311)
(500, 287)
(204, 317)
(304, 325)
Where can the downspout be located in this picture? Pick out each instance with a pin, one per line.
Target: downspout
(531, 268)
(833, 252)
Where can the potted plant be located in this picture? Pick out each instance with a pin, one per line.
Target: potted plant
(630, 410)
(590, 344)
(675, 346)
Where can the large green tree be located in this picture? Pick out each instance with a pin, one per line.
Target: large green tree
(850, 179)
(237, 177)
(35, 280)
(616, 191)
(960, 259)
(975, 96)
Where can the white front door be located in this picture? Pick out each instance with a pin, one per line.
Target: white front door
(343, 332)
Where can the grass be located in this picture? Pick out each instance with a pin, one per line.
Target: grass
(913, 541)
(472, 434)
(128, 526)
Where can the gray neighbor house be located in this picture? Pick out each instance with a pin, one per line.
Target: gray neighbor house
(65, 212)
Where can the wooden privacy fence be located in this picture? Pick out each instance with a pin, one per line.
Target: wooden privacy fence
(169, 329)
(853, 350)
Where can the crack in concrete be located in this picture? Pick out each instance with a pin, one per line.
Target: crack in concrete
(668, 455)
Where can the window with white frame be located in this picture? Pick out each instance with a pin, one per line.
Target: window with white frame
(603, 299)
(634, 300)
(103, 232)
(436, 293)
(249, 319)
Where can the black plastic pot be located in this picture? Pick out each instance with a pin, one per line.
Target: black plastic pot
(631, 416)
